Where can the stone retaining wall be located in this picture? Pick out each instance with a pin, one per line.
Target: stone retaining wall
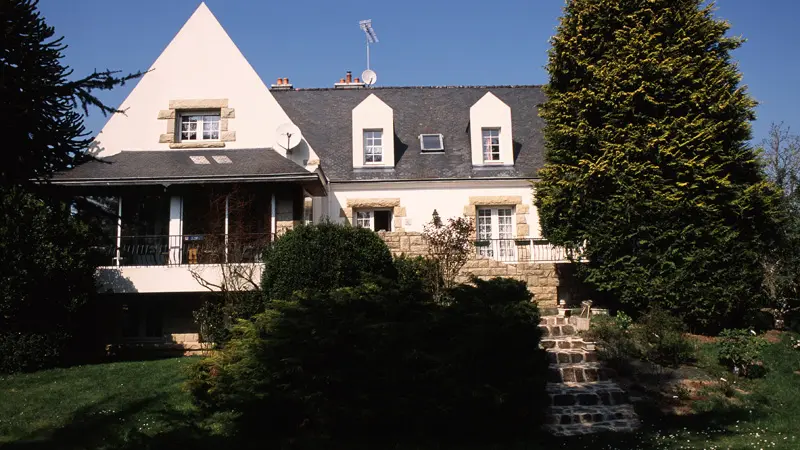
(545, 280)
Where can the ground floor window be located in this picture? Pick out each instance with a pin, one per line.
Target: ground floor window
(374, 219)
(495, 232)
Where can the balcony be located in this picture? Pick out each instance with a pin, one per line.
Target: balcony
(184, 249)
(521, 250)
(177, 263)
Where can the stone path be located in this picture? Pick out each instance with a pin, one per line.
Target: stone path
(583, 399)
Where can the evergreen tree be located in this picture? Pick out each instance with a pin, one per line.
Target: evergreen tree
(648, 164)
(42, 124)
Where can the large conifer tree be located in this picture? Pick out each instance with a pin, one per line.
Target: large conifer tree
(648, 161)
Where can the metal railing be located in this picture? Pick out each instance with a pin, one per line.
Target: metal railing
(520, 250)
(184, 249)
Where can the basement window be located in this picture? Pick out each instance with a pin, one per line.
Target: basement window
(431, 142)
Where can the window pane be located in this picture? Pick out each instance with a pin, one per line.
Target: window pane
(431, 142)
(373, 146)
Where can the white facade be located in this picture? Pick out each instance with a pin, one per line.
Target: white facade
(373, 115)
(490, 113)
(201, 63)
(448, 198)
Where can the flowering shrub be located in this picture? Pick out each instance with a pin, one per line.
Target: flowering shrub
(449, 248)
(740, 350)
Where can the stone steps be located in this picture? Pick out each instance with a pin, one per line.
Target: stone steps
(566, 356)
(577, 373)
(582, 398)
(603, 393)
(566, 342)
(575, 420)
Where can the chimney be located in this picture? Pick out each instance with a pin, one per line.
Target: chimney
(282, 84)
(348, 82)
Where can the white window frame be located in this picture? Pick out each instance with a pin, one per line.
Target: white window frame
(202, 115)
(501, 242)
(491, 150)
(439, 148)
(370, 148)
(365, 218)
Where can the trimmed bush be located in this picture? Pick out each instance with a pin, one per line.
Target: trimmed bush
(28, 352)
(416, 273)
(375, 360)
(323, 257)
(740, 351)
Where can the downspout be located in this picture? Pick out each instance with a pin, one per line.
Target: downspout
(272, 219)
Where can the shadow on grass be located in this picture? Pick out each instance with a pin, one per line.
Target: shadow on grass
(97, 427)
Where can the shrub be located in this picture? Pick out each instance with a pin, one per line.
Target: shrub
(449, 248)
(740, 351)
(47, 279)
(656, 337)
(28, 352)
(375, 360)
(323, 257)
(416, 273)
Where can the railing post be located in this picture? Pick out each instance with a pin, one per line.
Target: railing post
(227, 198)
(119, 230)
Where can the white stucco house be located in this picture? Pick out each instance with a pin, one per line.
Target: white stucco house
(199, 180)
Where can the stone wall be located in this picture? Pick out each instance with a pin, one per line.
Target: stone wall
(545, 280)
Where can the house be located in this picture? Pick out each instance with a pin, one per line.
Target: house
(208, 164)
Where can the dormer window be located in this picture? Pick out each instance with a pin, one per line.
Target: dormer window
(199, 126)
(373, 146)
(431, 142)
(491, 144)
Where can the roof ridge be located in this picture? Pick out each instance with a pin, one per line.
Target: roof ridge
(507, 86)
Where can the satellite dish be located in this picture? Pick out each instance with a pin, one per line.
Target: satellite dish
(369, 76)
(288, 136)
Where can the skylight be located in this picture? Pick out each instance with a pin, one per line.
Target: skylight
(431, 142)
(199, 160)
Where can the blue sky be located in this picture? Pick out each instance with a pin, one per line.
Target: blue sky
(422, 42)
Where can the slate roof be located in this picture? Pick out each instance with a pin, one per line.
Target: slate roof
(176, 166)
(325, 118)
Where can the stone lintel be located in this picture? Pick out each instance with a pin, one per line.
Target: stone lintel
(206, 103)
(198, 144)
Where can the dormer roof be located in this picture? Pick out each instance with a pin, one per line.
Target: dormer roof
(325, 116)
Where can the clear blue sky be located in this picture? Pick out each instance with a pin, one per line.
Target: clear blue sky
(422, 42)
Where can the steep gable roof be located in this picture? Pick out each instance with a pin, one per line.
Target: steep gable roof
(201, 62)
(324, 116)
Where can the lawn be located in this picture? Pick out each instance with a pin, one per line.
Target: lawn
(95, 406)
(141, 405)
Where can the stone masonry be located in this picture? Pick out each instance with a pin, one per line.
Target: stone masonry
(583, 399)
(543, 278)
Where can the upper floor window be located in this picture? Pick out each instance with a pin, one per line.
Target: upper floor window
(373, 146)
(199, 127)
(491, 144)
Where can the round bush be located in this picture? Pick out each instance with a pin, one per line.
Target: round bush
(323, 257)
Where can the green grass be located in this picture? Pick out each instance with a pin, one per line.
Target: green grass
(131, 405)
(93, 406)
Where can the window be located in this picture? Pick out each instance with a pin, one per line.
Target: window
(199, 127)
(491, 144)
(375, 220)
(496, 230)
(431, 142)
(373, 146)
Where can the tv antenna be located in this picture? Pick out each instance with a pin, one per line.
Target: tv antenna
(369, 75)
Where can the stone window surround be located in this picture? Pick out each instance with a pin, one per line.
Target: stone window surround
(172, 116)
(520, 210)
(398, 212)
